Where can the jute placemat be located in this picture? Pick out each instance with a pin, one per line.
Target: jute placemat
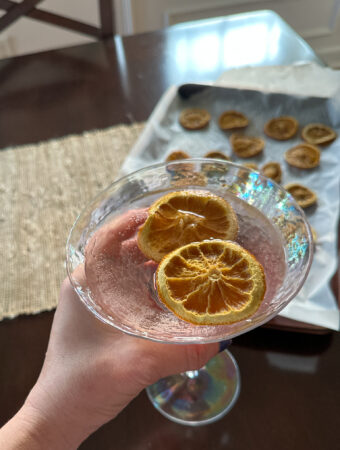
(43, 187)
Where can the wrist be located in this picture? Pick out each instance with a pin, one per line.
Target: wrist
(50, 423)
(29, 430)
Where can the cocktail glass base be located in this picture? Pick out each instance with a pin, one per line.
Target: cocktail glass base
(198, 397)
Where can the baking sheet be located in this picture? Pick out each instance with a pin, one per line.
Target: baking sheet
(315, 303)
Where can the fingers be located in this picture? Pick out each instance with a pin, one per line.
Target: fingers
(78, 276)
(126, 225)
(108, 239)
(131, 252)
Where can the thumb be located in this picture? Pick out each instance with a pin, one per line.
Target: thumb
(171, 359)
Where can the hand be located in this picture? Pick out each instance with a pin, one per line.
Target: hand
(117, 272)
(91, 370)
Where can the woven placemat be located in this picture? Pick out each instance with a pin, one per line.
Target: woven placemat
(43, 187)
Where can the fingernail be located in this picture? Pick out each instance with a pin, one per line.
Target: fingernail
(224, 345)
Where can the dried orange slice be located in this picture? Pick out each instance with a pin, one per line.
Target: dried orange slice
(304, 196)
(186, 178)
(211, 282)
(244, 174)
(215, 154)
(303, 156)
(194, 118)
(176, 155)
(214, 168)
(179, 218)
(272, 170)
(314, 235)
(246, 146)
(281, 128)
(252, 166)
(229, 120)
(317, 133)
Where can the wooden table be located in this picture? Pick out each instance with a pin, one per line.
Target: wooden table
(290, 392)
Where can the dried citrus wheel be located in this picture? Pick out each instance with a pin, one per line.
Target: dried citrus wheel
(272, 170)
(252, 166)
(314, 235)
(246, 146)
(317, 133)
(215, 154)
(303, 195)
(186, 177)
(281, 128)
(211, 283)
(176, 155)
(303, 156)
(179, 218)
(229, 120)
(194, 118)
(244, 174)
(215, 168)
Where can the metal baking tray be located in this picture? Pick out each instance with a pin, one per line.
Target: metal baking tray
(164, 134)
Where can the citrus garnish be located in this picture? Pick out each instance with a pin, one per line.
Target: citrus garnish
(179, 218)
(194, 118)
(281, 128)
(216, 154)
(302, 194)
(246, 146)
(318, 134)
(303, 156)
(229, 120)
(211, 282)
(272, 170)
(176, 155)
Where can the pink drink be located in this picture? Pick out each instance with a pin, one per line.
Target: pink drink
(259, 236)
(126, 280)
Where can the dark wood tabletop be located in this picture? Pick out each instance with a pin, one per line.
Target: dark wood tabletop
(290, 391)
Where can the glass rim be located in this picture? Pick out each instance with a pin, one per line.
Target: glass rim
(195, 339)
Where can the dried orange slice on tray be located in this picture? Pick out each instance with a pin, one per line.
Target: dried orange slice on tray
(179, 218)
(272, 170)
(318, 134)
(246, 146)
(176, 155)
(244, 174)
(314, 235)
(185, 176)
(281, 128)
(252, 166)
(229, 120)
(214, 168)
(211, 282)
(303, 156)
(215, 154)
(194, 118)
(304, 196)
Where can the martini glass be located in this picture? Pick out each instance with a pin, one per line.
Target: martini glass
(271, 226)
